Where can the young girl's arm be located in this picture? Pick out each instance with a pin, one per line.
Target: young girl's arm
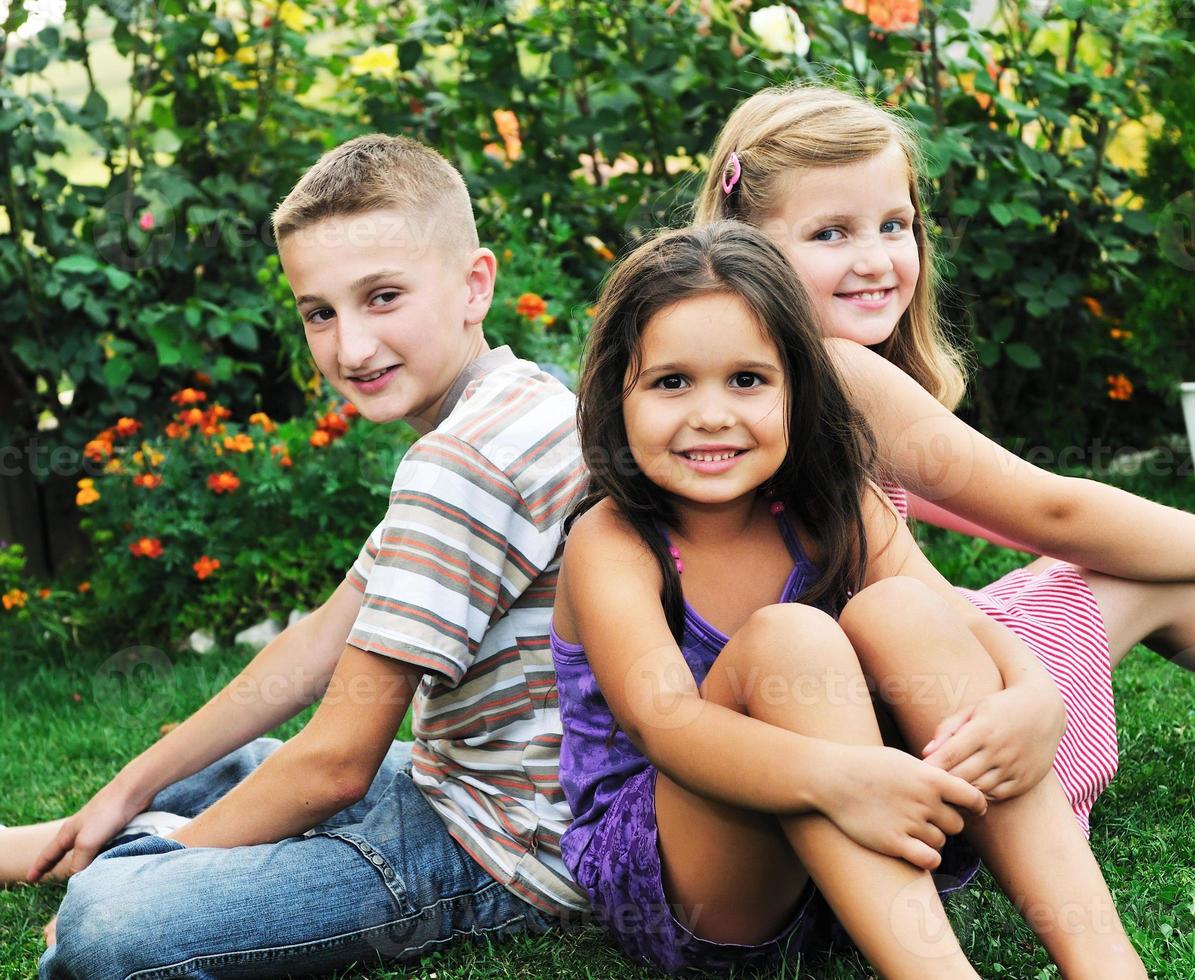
(943, 460)
(923, 510)
(611, 586)
(1008, 738)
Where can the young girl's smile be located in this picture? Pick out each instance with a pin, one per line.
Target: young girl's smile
(705, 415)
(848, 231)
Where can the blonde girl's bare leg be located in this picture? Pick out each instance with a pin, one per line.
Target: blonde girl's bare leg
(733, 872)
(910, 641)
(20, 845)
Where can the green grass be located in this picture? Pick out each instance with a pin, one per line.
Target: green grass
(57, 750)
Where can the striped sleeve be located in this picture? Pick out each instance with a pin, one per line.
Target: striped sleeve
(455, 550)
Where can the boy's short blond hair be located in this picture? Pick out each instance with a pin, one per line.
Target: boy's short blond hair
(380, 172)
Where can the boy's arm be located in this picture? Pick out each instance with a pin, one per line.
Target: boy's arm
(938, 457)
(329, 765)
(286, 676)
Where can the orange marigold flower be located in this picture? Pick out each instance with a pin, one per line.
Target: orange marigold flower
(224, 482)
(88, 495)
(97, 450)
(320, 438)
(83, 587)
(146, 548)
(333, 424)
(285, 461)
(147, 480)
(127, 427)
(531, 305)
(175, 431)
(349, 410)
(219, 412)
(1117, 334)
(260, 418)
(114, 465)
(1093, 305)
(192, 416)
(201, 379)
(15, 599)
(43, 593)
(1120, 388)
(604, 253)
(240, 443)
(188, 396)
(205, 566)
(547, 319)
(508, 128)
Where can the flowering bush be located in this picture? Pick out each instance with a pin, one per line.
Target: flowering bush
(204, 520)
(37, 616)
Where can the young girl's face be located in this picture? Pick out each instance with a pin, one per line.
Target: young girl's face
(848, 231)
(705, 415)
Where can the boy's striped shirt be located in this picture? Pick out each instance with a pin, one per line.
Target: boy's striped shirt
(459, 579)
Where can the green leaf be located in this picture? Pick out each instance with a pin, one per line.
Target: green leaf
(1001, 213)
(118, 279)
(561, 64)
(966, 206)
(1023, 356)
(243, 335)
(76, 263)
(989, 352)
(117, 371)
(1026, 212)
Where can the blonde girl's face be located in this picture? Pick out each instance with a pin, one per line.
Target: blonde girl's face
(848, 232)
(705, 415)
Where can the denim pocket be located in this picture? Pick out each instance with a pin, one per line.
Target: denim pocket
(390, 877)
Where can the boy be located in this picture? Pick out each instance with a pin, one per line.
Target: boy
(342, 844)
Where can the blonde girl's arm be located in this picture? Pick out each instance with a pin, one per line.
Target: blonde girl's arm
(939, 458)
(1015, 730)
(610, 584)
(930, 513)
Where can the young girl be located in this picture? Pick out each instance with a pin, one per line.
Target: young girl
(833, 180)
(721, 752)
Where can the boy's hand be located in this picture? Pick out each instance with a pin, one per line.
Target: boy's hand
(1004, 744)
(103, 817)
(893, 803)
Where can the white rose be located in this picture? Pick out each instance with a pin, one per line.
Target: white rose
(779, 29)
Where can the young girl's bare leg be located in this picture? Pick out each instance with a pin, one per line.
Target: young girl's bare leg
(1159, 614)
(733, 872)
(909, 639)
(20, 845)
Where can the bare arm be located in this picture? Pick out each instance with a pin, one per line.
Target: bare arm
(923, 510)
(329, 765)
(289, 674)
(941, 459)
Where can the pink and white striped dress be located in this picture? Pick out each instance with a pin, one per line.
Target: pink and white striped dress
(1058, 618)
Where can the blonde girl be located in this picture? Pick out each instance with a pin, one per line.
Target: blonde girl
(834, 181)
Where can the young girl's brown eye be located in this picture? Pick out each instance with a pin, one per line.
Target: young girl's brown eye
(747, 379)
(671, 382)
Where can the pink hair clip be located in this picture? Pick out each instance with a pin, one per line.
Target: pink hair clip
(736, 171)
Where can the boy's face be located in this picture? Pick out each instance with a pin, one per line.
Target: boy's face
(378, 293)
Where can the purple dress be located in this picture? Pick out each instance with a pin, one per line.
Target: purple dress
(610, 848)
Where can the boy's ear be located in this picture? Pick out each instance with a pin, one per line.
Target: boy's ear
(480, 275)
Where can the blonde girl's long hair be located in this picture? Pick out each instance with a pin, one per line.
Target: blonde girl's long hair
(782, 130)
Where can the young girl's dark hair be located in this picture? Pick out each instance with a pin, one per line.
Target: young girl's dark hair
(831, 449)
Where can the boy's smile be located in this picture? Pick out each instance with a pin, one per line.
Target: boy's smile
(391, 317)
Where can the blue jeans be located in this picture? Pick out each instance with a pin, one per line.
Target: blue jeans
(381, 880)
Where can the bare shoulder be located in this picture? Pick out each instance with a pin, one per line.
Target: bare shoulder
(602, 534)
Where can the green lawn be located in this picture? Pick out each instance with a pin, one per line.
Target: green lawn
(58, 749)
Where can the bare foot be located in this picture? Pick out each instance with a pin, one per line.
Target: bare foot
(51, 932)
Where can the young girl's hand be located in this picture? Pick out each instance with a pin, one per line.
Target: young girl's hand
(1004, 744)
(893, 803)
